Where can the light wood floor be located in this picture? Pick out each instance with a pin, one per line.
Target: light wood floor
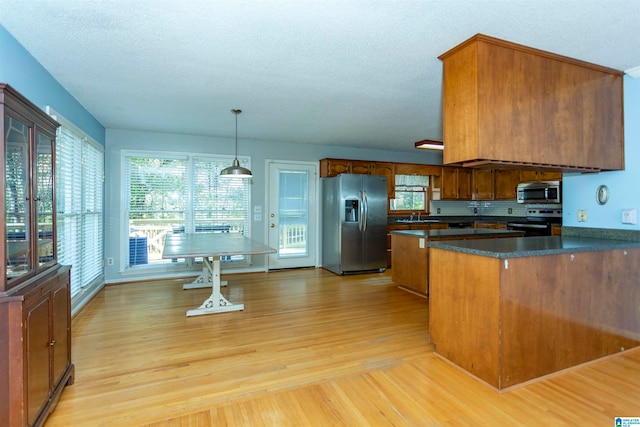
(310, 348)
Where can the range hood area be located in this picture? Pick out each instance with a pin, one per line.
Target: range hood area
(510, 106)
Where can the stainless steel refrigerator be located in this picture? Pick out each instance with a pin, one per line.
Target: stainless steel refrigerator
(354, 223)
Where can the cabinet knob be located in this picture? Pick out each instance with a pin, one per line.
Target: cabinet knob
(53, 342)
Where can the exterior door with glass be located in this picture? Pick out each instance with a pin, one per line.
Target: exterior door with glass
(292, 214)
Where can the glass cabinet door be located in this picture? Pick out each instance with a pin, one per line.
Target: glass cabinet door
(16, 195)
(44, 199)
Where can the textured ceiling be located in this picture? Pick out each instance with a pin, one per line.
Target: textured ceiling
(352, 72)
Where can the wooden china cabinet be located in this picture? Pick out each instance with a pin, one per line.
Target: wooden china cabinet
(35, 306)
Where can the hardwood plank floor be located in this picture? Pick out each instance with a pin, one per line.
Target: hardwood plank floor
(310, 348)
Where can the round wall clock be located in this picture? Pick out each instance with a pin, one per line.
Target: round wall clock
(602, 194)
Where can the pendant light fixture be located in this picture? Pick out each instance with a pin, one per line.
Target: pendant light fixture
(236, 171)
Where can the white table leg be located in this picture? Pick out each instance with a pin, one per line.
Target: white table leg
(216, 303)
(204, 280)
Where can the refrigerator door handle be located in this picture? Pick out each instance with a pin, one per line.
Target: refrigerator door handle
(360, 211)
(365, 203)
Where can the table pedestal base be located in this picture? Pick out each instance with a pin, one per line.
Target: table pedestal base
(216, 303)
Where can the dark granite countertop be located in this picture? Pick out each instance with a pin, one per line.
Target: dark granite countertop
(454, 232)
(518, 247)
(456, 219)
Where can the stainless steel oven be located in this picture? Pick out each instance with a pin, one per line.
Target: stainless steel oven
(538, 221)
(531, 228)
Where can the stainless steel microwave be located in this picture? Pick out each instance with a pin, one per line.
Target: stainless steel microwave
(540, 192)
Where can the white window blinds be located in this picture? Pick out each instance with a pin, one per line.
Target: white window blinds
(79, 205)
(179, 193)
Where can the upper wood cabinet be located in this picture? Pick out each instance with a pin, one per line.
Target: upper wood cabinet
(333, 167)
(506, 183)
(506, 103)
(483, 184)
(417, 169)
(388, 170)
(535, 175)
(455, 183)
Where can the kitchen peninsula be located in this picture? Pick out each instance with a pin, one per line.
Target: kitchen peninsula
(410, 257)
(512, 310)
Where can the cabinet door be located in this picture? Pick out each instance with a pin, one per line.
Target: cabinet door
(482, 184)
(44, 203)
(449, 183)
(363, 168)
(388, 170)
(528, 175)
(506, 182)
(438, 226)
(17, 195)
(464, 184)
(38, 348)
(333, 167)
(61, 343)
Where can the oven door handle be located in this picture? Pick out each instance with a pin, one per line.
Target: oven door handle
(515, 224)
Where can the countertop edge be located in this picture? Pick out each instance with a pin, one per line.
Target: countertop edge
(553, 245)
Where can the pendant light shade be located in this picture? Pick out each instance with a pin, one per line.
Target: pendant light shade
(235, 170)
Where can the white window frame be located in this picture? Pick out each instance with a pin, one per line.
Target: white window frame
(189, 158)
(87, 275)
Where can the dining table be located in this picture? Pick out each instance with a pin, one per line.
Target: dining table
(211, 247)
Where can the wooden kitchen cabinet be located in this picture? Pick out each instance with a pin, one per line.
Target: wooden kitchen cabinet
(417, 169)
(490, 224)
(455, 183)
(390, 228)
(414, 226)
(388, 170)
(483, 184)
(536, 175)
(506, 183)
(502, 104)
(35, 308)
(333, 167)
(511, 322)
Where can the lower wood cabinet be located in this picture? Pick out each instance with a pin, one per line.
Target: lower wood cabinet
(35, 348)
(491, 225)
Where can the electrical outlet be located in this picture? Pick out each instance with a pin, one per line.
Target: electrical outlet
(582, 215)
(109, 261)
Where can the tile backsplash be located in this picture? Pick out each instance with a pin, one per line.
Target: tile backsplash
(478, 208)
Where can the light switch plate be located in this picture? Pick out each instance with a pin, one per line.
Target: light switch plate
(629, 216)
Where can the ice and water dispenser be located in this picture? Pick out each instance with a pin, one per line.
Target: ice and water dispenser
(351, 211)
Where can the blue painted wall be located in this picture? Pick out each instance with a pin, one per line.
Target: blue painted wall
(22, 72)
(579, 190)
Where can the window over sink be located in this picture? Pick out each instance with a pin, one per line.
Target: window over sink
(411, 193)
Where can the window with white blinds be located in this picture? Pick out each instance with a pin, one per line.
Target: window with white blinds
(79, 205)
(174, 193)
